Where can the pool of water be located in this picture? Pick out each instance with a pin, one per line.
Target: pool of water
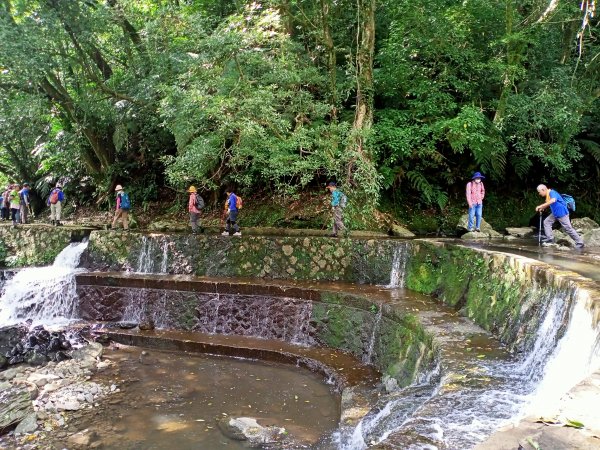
(171, 400)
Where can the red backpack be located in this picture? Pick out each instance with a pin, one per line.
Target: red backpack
(54, 197)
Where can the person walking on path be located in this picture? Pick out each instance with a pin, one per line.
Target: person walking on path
(55, 201)
(337, 206)
(6, 203)
(25, 205)
(560, 212)
(475, 195)
(195, 205)
(123, 207)
(232, 209)
(15, 204)
(3, 209)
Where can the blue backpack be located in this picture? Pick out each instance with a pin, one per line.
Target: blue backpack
(125, 202)
(569, 201)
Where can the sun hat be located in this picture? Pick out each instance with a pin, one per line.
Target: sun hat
(477, 175)
(118, 188)
(58, 185)
(192, 189)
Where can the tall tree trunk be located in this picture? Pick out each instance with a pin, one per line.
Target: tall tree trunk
(331, 53)
(360, 170)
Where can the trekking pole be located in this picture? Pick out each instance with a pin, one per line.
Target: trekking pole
(540, 231)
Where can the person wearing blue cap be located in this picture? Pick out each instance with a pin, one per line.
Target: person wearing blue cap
(475, 195)
(338, 203)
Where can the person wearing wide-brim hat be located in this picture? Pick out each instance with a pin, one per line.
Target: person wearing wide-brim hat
(123, 207)
(475, 195)
(195, 205)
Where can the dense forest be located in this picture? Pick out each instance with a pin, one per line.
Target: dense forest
(399, 101)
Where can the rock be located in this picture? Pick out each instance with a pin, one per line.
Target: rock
(15, 406)
(473, 235)
(68, 405)
(102, 339)
(127, 325)
(3, 362)
(11, 373)
(27, 425)
(592, 238)
(464, 221)
(400, 231)
(521, 232)
(35, 358)
(584, 224)
(93, 350)
(248, 429)
(563, 239)
(146, 324)
(83, 438)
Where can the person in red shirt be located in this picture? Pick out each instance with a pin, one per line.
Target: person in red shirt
(475, 194)
(195, 204)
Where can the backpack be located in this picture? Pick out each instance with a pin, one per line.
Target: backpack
(125, 202)
(238, 202)
(343, 201)
(54, 197)
(199, 203)
(569, 201)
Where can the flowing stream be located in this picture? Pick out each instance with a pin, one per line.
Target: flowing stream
(44, 295)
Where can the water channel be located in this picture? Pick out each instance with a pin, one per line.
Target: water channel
(170, 399)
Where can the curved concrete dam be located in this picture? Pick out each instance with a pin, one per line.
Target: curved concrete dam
(459, 341)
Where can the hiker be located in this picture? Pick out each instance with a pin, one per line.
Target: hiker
(337, 206)
(195, 204)
(560, 212)
(475, 195)
(2, 209)
(232, 206)
(6, 204)
(15, 204)
(55, 201)
(25, 205)
(123, 207)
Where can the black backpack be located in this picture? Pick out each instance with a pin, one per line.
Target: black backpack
(199, 202)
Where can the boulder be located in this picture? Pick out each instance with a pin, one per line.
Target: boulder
(474, 235)
(584, 225)
(248, 429)
(93, 350)
(485, 227)
(27, 425)
(522, 232)
(15, 405)
(400, 231)
(561, 238)
(592, 238)
(3, 362)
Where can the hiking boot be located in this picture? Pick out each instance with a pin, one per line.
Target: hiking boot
(579, 245)
(333, 235)
(225, 233)
(477, 230)
(52, 222)
(237, 233)
(58, 224)
(547, 240)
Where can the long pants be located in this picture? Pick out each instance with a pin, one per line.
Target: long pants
(24, 213)
(566, 224)
(475, 212)
(122, 214)
(194, 219)
(338, 220)
(231, 223)
(14, 212)
(55, 210)
(5, 213)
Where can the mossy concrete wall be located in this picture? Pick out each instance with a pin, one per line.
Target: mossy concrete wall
(298, 258)
(31, 245)
(505, 294)
(394, 341)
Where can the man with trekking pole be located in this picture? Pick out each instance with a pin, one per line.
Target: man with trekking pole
(560, 212)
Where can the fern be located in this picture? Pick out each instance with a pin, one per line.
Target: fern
(521, 164)
(431, 194)
(592, 148)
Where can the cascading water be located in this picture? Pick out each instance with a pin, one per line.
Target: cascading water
(398, 266)
(466, 402)
(44, 295)
(149, 260)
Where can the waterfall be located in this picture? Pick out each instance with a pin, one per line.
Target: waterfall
(399, 261)
(575, 356)
(44, 295)
(147, 259)
(368, 357)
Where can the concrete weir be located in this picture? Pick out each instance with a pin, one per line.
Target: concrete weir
(462, 340)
